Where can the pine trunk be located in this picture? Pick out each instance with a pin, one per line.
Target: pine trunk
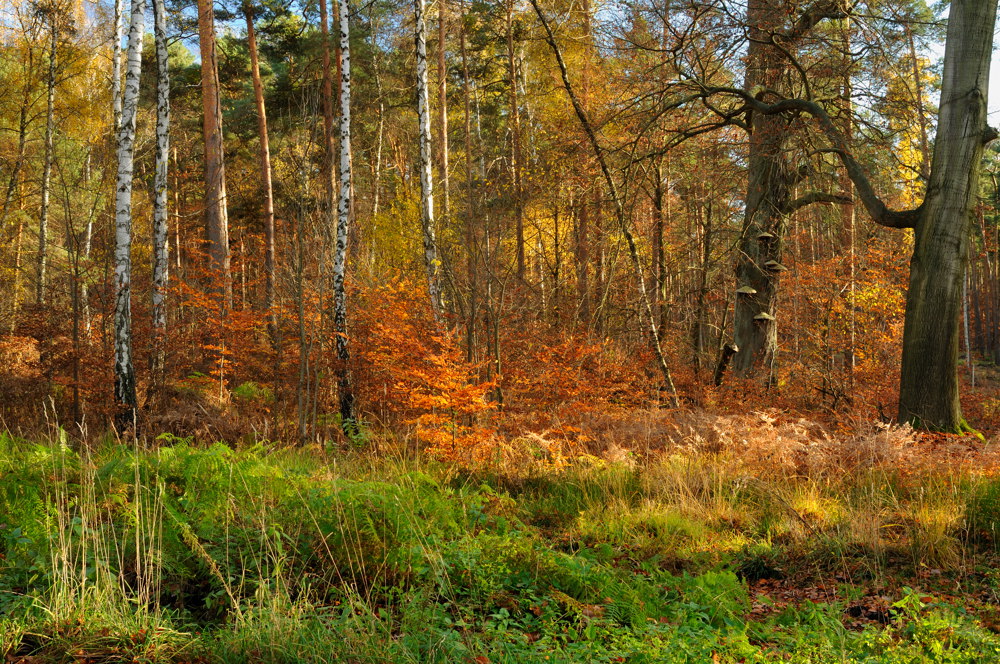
(216, 213)
(265, 175)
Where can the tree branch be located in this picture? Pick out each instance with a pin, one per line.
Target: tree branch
(816, 197)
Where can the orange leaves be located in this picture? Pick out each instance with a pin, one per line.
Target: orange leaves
(411, 373)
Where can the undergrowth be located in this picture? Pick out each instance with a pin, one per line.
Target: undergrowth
(181, 553)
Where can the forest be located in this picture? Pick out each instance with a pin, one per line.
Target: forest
(499, 331)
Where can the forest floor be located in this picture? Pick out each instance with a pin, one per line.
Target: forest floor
(750, 538)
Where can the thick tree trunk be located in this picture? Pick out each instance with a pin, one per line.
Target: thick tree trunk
(929, 383)
(50, 127)
(265, 174)
(343, 218)
(768, 194)
(216, 213)
(125, 395)
(431, 260)
(161, 265)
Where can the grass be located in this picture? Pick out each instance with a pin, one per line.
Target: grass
(183, 553)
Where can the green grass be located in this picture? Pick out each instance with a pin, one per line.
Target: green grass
(210, 554)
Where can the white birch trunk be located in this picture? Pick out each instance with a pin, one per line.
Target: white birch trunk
(125, 397)
(431, 260)
(116, 67)
(343, 219)
(161, 265)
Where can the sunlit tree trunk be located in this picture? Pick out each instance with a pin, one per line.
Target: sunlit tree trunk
(265, 173)
(928, 392)
(758, 266)
(50, 127)
(343, 219)
(161, 265)
(125, 394)
(431, 261)
(116, 67)
(216, 213)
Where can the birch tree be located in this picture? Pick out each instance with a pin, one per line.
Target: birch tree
(125, 396)
(343, 218)
(431, 260)
(160, 245)
(116, 67)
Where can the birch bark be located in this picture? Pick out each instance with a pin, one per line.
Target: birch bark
(431, 260)
(343, 219)
(161, 265)
(125, 397)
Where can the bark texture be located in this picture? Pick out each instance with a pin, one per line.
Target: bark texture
(928, 393)
(216, 212)
(125, 395)
(431, 260)
(343, 219)
(161, 264)
(768, 194)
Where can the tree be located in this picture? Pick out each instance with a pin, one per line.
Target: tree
(52, 12)
(216, 210)
(265, 172)
(928, 394)
(343, 218)
(431, 260)
(161, 264)
(125, 393)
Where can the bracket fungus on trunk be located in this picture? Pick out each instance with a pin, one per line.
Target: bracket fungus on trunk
(774, 266)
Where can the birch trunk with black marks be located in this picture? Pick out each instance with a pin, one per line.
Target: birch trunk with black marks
(161, 265)
(216, 212)
(116, 68)
(431, 261)
(343, 219)
(125, 394)
(50, 127)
